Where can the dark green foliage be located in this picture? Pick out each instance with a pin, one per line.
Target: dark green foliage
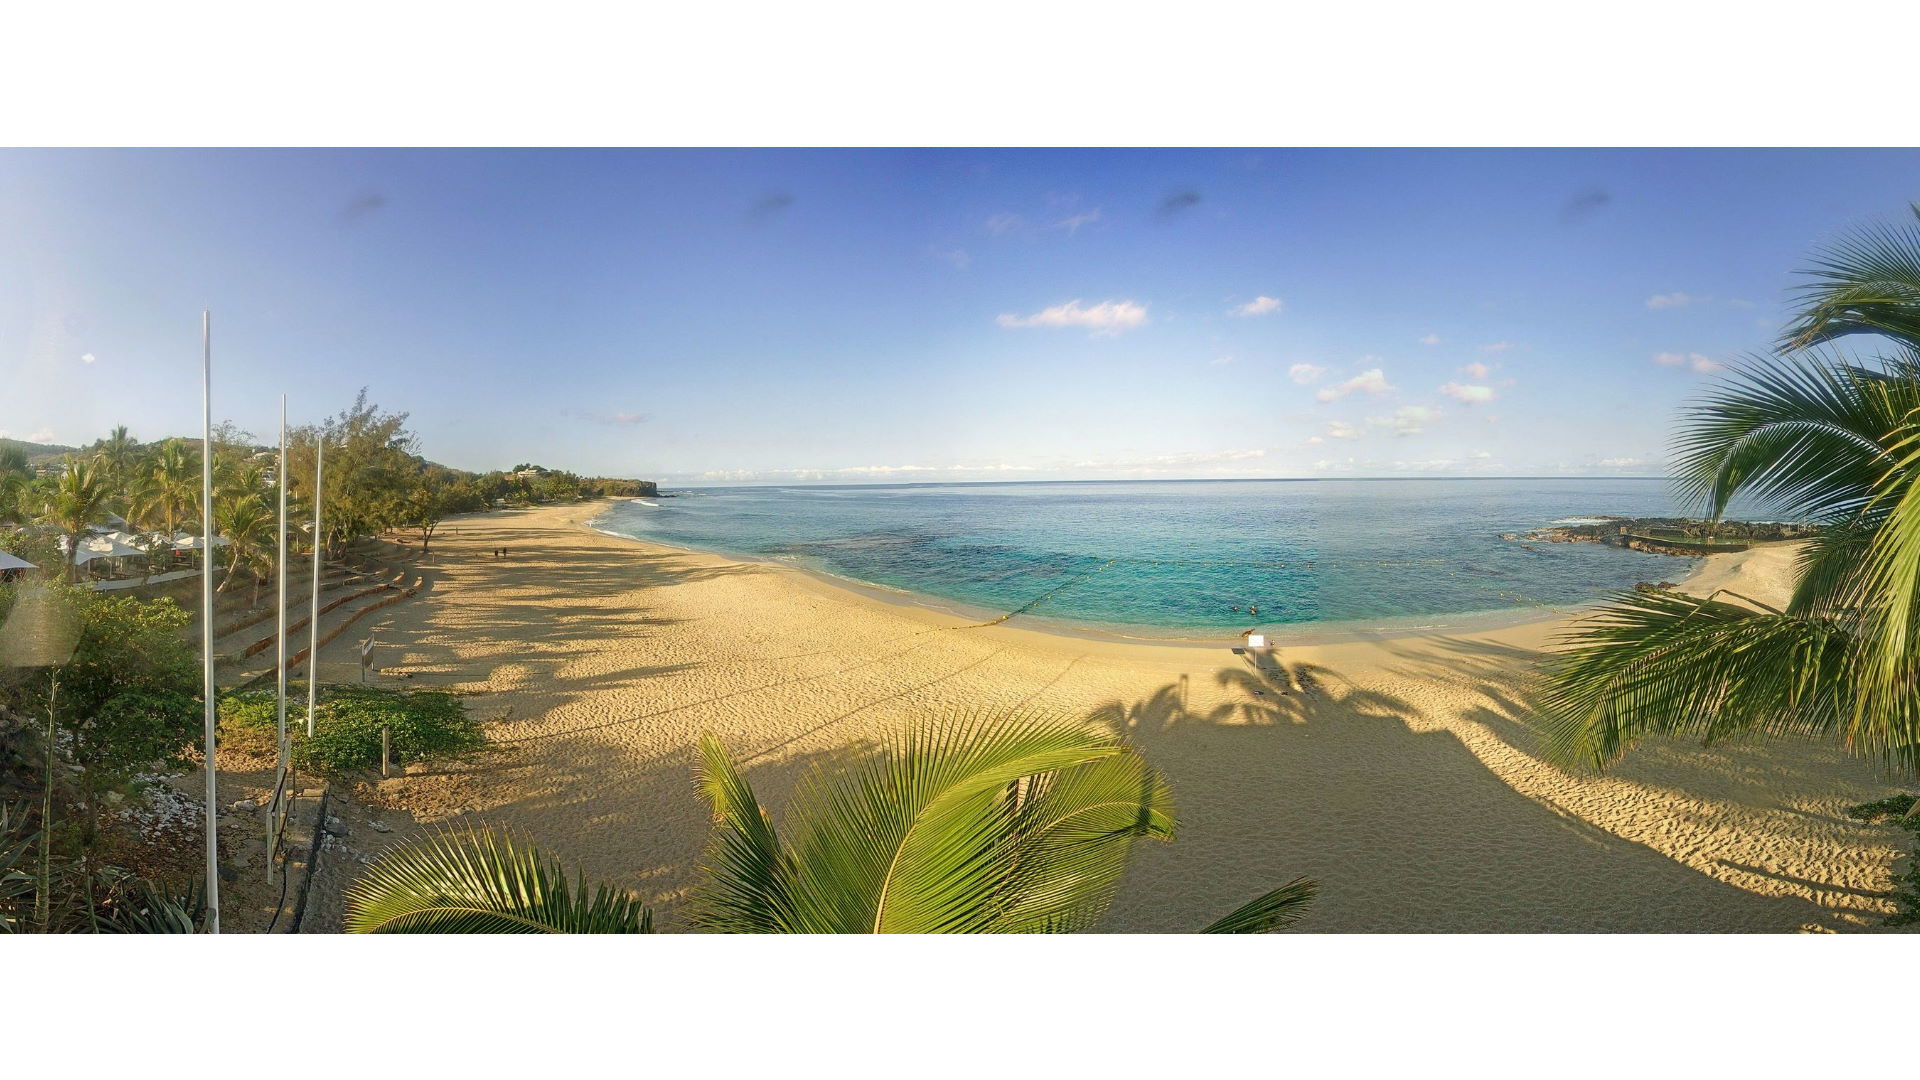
(128, 693)
(101, 900)
(1899, 810)
(425, 725)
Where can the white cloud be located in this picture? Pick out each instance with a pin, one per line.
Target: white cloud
(1370, 381)
(1432, 465)
(1220, 361)
(1430, 339)
(44, 435)
(1340, 429)
(1476, 370)
(1705, 365)
(1104, 319)
(1480, 455)
(1621, 462)
(1497, 347)
(1407, 419)
(1072, 224)
(1468, 392)
(1663, 301)
(1001, 224)
(958, 257)
(1306, 374)
(1259, 305)
(1314, 440)
(87, 358)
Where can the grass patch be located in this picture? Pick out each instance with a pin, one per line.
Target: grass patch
(426, 725)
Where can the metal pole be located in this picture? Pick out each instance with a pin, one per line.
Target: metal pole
(280, 638)
(313, 617)
(280, 643)
(206, 613)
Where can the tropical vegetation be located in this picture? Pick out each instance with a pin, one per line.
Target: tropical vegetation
(986, 824)
(1816, 433)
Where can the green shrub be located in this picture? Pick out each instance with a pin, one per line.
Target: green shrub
(1906, 886)
(425, 725)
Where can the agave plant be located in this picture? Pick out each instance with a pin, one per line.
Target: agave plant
(1008, 824)
(1812, 434)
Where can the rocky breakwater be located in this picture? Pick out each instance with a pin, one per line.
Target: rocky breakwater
(1665, 536)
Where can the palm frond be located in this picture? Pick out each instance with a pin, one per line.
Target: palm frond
(1806, 437)
(1661, 663)
(1867, 282)
(1886, 718)
(1073, 832)
(917, 839)
(1276, 910)
(475, 882)
(748, 877)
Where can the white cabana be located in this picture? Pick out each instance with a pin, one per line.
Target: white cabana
(99, 547)
(10, 561)
(191, 542)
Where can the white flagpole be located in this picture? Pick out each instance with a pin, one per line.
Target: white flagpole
(280, 639)
(206, 613)
(313, 617)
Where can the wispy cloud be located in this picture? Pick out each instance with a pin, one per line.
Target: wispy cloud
(1705, 365)
(87, 358)
(1220, 361)
(1496, 347)
(1001, 224)
(1663, 301)
(1476, 370)
(1370, 381)
(1430, 339)
(617, 419)
(1621, 462)
(1406, 420)
(44, 435)
(1470, 393)
(1306, 374)
(1072, 224)
(957, 258)
(1340, 429)
(1259, 305)
(1104, 319)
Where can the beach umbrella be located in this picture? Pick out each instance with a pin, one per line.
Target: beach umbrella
(14, 562)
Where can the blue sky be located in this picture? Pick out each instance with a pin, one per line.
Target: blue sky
(837, 316)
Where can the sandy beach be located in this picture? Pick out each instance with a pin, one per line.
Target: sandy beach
(1402, 773)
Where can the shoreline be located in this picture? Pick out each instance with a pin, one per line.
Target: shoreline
(1403, 772)
(1317, 632)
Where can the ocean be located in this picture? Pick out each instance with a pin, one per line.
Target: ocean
(1187, 559)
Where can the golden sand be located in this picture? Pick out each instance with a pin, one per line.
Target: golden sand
(1403, 775)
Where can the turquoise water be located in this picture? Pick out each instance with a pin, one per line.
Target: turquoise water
(1185, 558)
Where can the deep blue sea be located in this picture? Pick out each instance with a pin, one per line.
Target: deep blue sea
(1186, 558)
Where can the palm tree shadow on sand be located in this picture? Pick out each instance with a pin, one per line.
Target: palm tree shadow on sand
(1293, 767)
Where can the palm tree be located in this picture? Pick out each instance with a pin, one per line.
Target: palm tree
(995, 824)
(15, 476)
(250, 530)
(116, 454)
(75, 503)
(169, 486)
(1813, 434)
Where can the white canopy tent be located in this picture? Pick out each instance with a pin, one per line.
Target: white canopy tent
(191, 542)
(99, 547)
